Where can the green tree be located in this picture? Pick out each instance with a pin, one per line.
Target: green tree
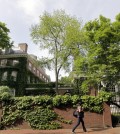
(59, 33)
(67, 80)
(4, 37)
(101, 58)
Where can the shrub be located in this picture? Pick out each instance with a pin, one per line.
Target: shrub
(4, 89)
(5, 93)
(42, 118)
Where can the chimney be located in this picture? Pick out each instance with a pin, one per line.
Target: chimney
(23, 47)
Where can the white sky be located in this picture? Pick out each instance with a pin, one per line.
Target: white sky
(19, 15)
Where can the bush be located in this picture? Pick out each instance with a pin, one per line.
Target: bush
(4, 89)
(42, 119)
(5, 96)
(5, 93)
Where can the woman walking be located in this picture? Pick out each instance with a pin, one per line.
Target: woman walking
(80, 115)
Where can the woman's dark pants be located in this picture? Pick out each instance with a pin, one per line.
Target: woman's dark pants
(78, 123)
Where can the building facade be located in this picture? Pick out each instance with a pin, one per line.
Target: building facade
(18, 68)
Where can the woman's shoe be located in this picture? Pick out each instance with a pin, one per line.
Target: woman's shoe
(84, 130)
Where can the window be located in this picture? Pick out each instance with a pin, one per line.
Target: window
(28, 79)
(30, 65)
(12, 91)
(9, 62)
(4, 76)
(37, 72)
(34, 69)
(14, 75)
(15, 62)
(3, 62)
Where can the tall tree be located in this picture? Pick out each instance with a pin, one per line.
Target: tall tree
(101, 60)
(59, 33)
(4, 37)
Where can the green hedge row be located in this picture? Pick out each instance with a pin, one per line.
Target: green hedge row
(41, 85)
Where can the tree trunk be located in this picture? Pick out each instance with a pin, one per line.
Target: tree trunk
(56, 84)
(56, 77)
(56, 67)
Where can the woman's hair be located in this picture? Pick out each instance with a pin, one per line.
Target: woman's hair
(79, 108)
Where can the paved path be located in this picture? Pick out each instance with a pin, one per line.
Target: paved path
(63, 131)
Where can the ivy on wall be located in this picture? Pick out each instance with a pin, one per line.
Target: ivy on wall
(22, 77)
(22, 74)
(20, 68)
(38, 111)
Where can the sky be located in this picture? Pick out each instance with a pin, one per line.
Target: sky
(20, 15)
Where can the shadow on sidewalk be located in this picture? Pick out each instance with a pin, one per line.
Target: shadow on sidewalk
(100, 129)
(94, 130)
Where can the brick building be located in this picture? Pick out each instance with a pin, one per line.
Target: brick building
(18, 68)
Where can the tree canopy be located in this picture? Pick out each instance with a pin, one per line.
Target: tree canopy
(61, 34)
(101, 59)
(4, 37)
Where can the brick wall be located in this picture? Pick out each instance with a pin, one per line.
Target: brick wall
(0, 111)
(91, 119)
(107, 115)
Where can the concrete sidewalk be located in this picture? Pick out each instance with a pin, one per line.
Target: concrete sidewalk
(63, 131)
